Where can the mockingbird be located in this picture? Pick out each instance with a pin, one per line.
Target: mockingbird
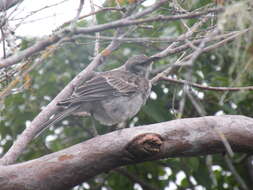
(110, 97)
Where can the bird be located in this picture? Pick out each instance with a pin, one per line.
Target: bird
(111, 97)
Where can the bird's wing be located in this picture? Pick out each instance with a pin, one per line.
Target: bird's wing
(101, 87)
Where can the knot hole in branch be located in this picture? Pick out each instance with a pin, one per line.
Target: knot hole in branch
(144, 146)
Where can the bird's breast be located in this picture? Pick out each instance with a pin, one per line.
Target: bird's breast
(119, 109)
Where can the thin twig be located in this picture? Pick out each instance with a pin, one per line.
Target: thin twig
(209, 163)
(94, 20)
(183, 82)
(74, 21)
(171, 48)
(155, 40)
(189, 33)
(3, 39)
(235, 173)
(33, 13)
(90, 14)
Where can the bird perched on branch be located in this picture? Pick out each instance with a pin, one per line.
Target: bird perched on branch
(110, 97)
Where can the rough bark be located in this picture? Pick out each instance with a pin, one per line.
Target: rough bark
(183, 137)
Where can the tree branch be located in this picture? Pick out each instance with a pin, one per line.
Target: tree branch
(131, 20)
(183, 82)
(177, 138)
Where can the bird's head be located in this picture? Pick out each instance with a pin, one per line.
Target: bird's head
(139, 65)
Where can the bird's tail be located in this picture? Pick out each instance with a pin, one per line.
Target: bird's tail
(59, 116)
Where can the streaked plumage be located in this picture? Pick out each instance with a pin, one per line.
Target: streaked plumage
(110, 97)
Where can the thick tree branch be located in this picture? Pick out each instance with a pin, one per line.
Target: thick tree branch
(184, 137)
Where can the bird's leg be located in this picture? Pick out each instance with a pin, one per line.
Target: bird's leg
(93, 127)
(121, 125)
